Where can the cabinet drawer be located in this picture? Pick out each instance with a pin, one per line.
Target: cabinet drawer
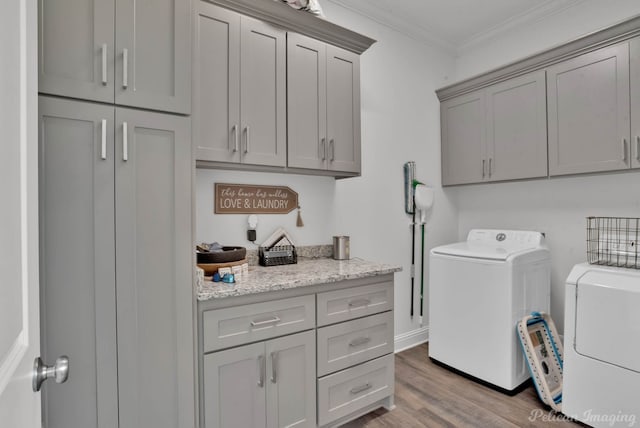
(347, 391)
(352, 342)
(342, 305)
(224, 328)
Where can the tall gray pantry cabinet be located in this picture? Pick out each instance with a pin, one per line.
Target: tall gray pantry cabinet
(115, 213)
(133, 53)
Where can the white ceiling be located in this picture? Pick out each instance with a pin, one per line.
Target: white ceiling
(455, 24)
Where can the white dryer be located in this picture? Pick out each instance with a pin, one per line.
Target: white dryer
(478, 290)
(601, 385)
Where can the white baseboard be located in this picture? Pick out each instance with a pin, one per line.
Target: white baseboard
(411, 338)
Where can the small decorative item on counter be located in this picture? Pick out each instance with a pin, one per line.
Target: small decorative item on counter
(237, 272)
(341, 249)
(228, 278)
(277, 250)
(223, 271)
(216, 277)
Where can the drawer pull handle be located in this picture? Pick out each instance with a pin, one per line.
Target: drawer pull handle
(362, 388)
(265, 322)
(360, 341)
(261, 370)
(104, 64)
(359, 303)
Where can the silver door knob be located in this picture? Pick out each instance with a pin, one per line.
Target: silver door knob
(41, 372)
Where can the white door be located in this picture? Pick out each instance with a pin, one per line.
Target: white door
(19, 320)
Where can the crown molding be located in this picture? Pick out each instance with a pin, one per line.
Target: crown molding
(529, 16)
(383, 17)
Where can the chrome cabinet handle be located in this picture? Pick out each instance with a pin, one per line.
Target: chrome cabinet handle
(361, 388)
(359, 303)
(234, 132)
(273, 320)
(359, 341)
(125, 68)
(274, 367)
(483, 169)
(323, 148)
(332, 145)
(125, 142)
(261, 369)
(41, 372)
(490, 159)
(104, 63)
(103, 131)
(638, 148)
(246, 139)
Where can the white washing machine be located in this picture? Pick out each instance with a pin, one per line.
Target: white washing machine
(478, 290)
(601, 380)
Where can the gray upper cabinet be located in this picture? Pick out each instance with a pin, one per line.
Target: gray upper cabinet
(153, 274)
(77, 261)
(634, 47)
(124, 51)
(307, 102)
(497, 133)
(588, 112)
(343, 109)
(463, 125)
(323, 105)
(153, 55)
(240, 87)
(116, 265)
(216, 95)
(76, 48)
(517, 128)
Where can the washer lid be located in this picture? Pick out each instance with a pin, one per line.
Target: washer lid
(500, 251)
(608, 318)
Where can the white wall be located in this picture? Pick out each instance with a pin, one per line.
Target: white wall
(557, 206)
(400, 122)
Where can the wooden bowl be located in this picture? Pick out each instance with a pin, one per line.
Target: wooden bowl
(228, 254)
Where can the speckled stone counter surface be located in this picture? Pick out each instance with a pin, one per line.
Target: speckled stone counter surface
(305, 273)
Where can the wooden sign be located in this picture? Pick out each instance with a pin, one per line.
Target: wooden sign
(254, 199)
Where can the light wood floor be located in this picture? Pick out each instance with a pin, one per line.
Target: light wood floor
(428, 395)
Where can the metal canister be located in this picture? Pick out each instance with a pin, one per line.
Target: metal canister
(341, 247)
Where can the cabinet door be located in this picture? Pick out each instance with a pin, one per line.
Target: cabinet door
(588, 108)
(343, 109)
(216, 95)
(77, 262)
(75, 48)
(463, 126)
(262, 93)
(634, 46)
(291, 381)
(154, 270)
(153, 54)
(307, 102)
(234, 388)
(517, 128)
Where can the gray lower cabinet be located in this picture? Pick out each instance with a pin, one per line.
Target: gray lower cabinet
(124, 51)
(323, 84)
(267, 363)
(634, 57)
(498, 133)
(265, 384)
(239, 88)
(588, 112)
(115, 233)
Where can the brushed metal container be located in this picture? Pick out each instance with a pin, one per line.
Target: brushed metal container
(341, 248)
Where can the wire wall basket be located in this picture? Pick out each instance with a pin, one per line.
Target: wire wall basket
(613, 241)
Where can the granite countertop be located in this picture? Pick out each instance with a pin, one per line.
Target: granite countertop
(305, 273)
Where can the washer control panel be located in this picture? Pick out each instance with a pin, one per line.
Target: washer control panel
(506, 236)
